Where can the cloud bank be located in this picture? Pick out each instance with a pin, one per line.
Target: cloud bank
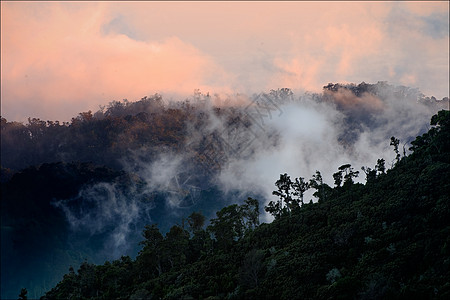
(62, 58)
(240, 150)
(244, 152)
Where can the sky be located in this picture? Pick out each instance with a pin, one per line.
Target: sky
(62, 58)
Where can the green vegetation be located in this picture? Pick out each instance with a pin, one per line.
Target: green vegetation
(386, 239)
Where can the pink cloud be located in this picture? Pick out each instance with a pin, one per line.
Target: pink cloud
(70, 66)
(366, 42)
(341, 50)
(58, 59)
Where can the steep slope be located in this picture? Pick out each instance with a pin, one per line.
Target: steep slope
(388, 238)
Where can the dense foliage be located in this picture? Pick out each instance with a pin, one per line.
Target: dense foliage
(102, 137)
(60, 214)
(118, 129)
(386, 239)
(84, 189)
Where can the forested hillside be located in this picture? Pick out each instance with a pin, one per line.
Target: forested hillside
(385, 239)
(60, 214)
(106, 136)
(83, 190)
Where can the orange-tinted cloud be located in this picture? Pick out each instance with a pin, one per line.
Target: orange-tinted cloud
(62, 58)
(370, 42)
(59, 62)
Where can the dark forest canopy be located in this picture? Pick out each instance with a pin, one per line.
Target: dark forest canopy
(385, 239)
(105, 136)
(59, 214)
(85, 189)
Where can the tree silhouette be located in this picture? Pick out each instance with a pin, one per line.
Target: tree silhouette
(395, 142)
(196, 221)
(284, 202)
(300, 186)
(345, 174)
(23, 294)
(250, 211)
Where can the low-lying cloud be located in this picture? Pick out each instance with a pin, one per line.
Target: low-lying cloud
(107, 208)
(242, 149)
(296, 135)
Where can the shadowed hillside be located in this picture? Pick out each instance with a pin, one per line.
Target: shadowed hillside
(387, 238)
(84, 189)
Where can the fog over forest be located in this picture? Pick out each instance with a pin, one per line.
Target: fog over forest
(200, 154)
